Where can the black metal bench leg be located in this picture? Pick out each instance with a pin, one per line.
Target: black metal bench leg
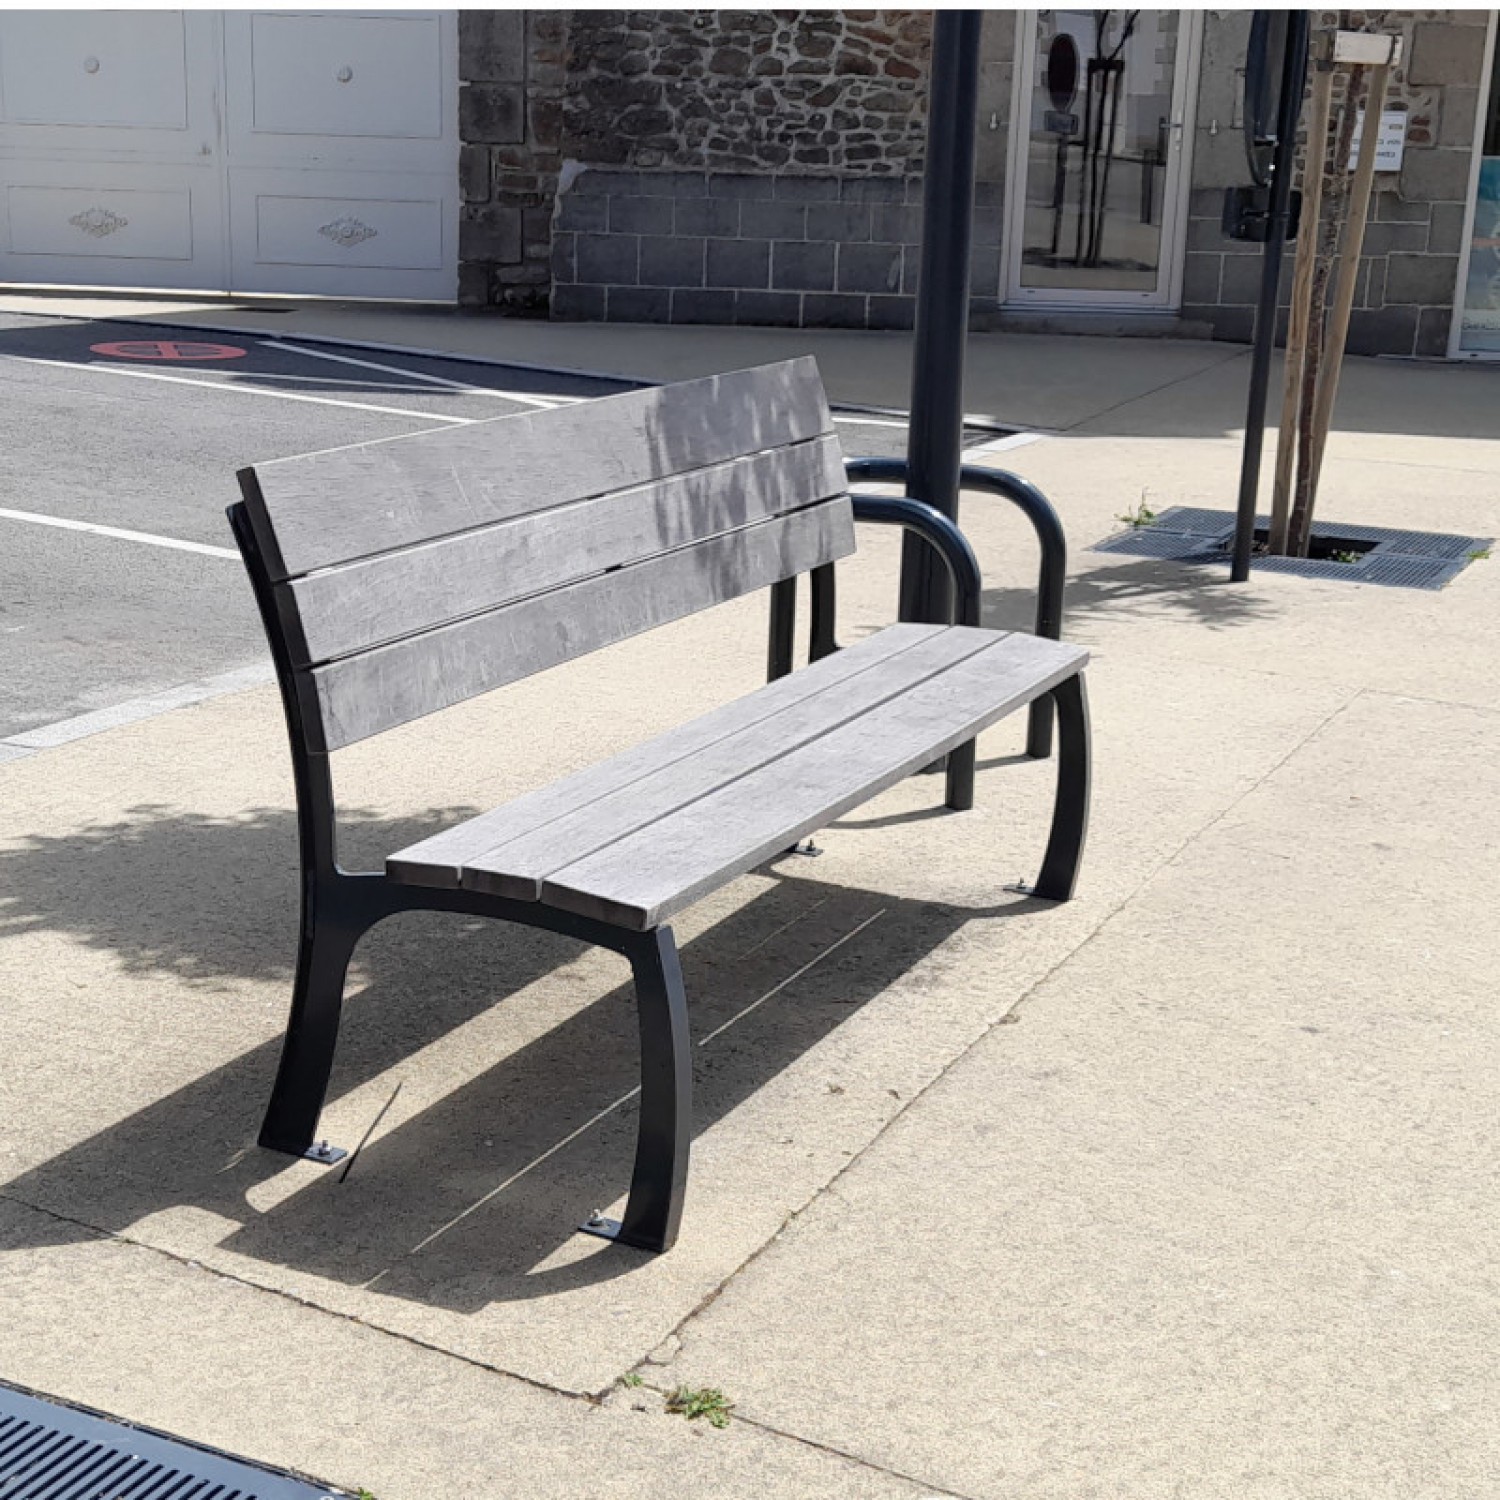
(1039, 729)
(659, 1182)
(1070, 815)
(960, 796)
(307, 1054)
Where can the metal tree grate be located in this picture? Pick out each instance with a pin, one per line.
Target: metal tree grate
(54, 1452)
(1392, 558)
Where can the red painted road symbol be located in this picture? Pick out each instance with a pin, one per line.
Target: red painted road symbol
(167, 349)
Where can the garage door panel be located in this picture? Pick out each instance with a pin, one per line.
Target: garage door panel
(120, 68)
(379, 77)
(138, 226)
(309, 230)
(350, 233)
(100, 222)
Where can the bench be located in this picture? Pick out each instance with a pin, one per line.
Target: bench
(398, 577)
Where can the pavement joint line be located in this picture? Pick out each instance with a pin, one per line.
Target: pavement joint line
(1156, 390)
(624, 1099)
(135, 710)
(589, 1399)
(926, 1486)
(547, 403)
(831, 1187)
(243, 390)
(110, 1236)
(94, 528)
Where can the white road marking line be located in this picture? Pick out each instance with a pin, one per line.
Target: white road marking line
(64, 524)
(1001, 445)
(49, 736)
(243, 390)
(524, 398)
(324, 380)
(869, 421)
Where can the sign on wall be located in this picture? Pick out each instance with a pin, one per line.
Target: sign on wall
(1390, 144)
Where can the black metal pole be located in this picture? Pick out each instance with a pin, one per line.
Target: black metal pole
(1293, 76)
(935, 438)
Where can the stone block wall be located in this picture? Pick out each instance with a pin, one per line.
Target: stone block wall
(1408, 277)
(778, 249)
(512, 73)
(748, 90)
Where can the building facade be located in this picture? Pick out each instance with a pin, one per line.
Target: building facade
(758, 167)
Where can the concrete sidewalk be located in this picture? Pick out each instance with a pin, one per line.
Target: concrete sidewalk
(1180, 1189)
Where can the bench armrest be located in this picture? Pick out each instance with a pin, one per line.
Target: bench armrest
(945, 537)
(1022, 494)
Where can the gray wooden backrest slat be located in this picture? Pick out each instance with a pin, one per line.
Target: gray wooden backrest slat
(411, 573)
(328, 508)
(361, 695)
(343, 610)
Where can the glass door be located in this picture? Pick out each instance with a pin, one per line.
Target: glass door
(1095, 211)
(1477, 328)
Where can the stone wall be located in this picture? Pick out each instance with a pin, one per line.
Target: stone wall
(764, 167)
(748, 90)
(512, 73)
(742, 166)
(1408, 274)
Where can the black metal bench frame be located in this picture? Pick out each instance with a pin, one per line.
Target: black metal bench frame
(338, 906)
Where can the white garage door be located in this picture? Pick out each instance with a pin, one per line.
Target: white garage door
(249, 151)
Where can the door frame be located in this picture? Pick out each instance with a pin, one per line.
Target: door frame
(1471, 203)
(1168, 293)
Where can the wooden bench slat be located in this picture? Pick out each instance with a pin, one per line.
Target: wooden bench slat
(640, 881)
(518, 867)
(376, 690)
(381, 599)
(439, 860)
(328, 508)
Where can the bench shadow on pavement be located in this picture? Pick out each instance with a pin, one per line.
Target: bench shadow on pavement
(490, 1178)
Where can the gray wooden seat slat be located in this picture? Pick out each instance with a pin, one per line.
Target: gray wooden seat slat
(322, 509)
(517, 861)
(361, 695)
(642, 879)
(376, 600)
(439, 859)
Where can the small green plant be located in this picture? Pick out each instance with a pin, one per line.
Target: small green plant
(706, 1401)
(1142, 515)
(1478, 554)
(632, 1380)
(1345, 557)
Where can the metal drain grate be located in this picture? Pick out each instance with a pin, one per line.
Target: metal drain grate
(54, 1452)
(1394, 559)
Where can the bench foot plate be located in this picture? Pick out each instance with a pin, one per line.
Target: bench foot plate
(603, 1227)
(324, 1154)
(598, 1224)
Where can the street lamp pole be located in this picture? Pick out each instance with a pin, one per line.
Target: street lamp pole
(935, 437)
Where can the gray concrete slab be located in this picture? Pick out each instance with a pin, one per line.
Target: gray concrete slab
(1211, 1220)
(1187, 1226)
(163, 1342)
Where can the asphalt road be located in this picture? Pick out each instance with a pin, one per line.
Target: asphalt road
(115, 438)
